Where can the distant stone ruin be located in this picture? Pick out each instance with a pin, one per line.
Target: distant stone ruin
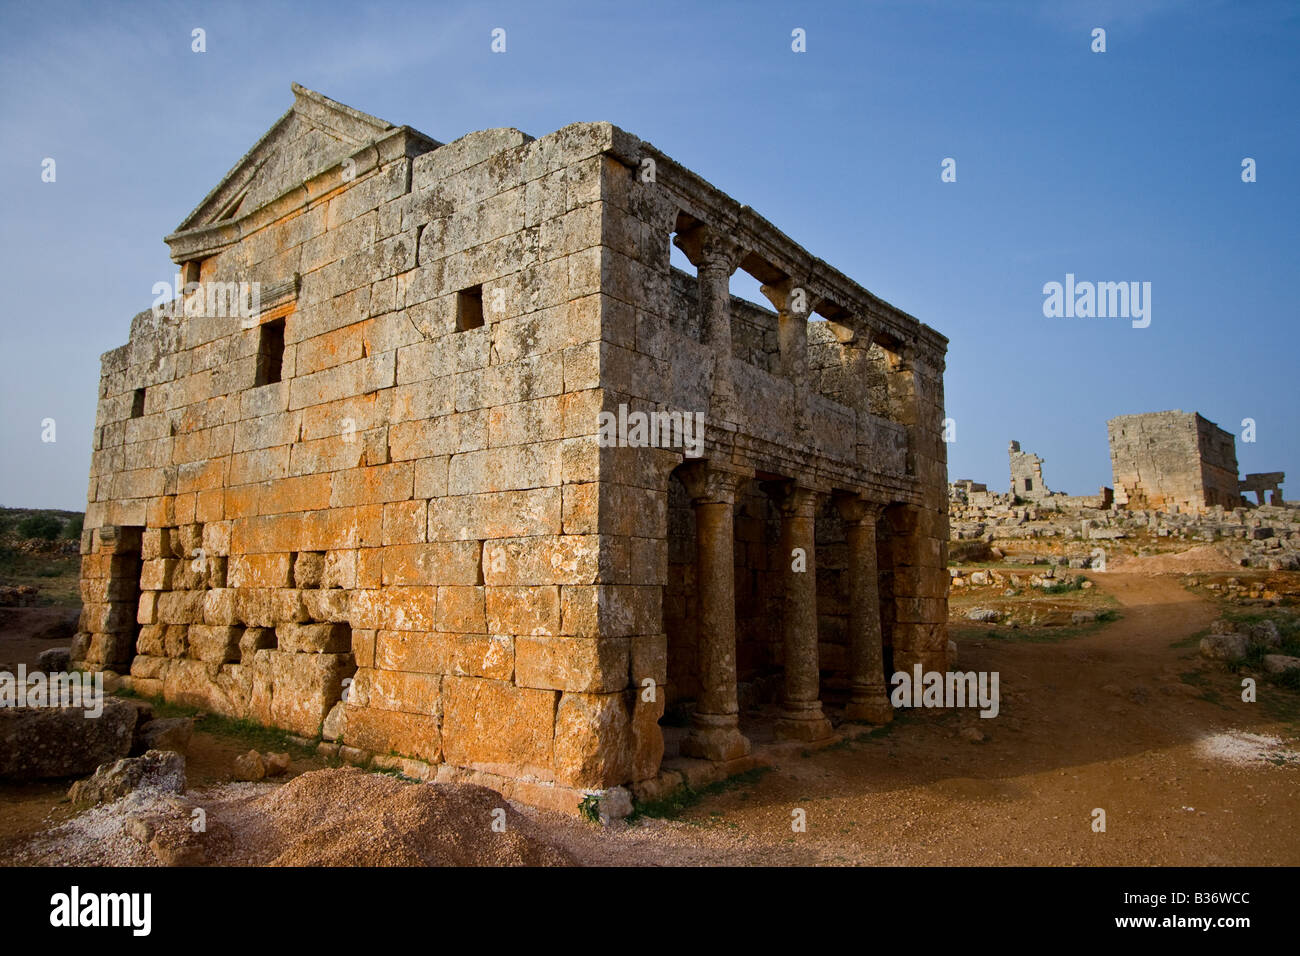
(1172, 461)
(1259, 483)
(1026, 474)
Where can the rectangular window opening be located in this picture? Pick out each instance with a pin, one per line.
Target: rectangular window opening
(270, 352)
(137, 403)
(469, 309)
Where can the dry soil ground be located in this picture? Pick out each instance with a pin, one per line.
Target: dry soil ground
(1125, 719)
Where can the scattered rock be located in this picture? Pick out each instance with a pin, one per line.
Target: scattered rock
(276, 764)
(24, 595)
(615, 804)
(1083, 617)
(178, 846)
(160, 770)
(142, 828)
(250, 766)
(984, 615)
(974, 735)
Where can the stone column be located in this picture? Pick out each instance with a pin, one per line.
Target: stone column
(801, 711)
(855, 357)
(715, 731)
(793, 304)
(900, 380)
(868, 693)
(715, 256)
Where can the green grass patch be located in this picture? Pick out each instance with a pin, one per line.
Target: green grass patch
(58, 576)
(262, 739)
(683, 798)
(1192, 640)
(1025, 634)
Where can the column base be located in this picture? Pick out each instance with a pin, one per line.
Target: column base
(806, 725)
(713, 739)
(872, 710)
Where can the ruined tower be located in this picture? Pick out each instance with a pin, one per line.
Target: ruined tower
(1172, 459)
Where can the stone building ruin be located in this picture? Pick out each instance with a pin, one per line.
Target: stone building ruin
(1261, 483)
(375, 508)
(1026, 474)
(1174, 459)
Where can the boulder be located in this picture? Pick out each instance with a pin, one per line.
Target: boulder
(615, 804)
(1224, 647)
(984, 615)
(1281, 663)
(159, 770)
(178, 846)
(1083, 617)
(1263, 634)
(164, 733)
(276, 764)
(48, 742)
(54, 660)
(249, 766)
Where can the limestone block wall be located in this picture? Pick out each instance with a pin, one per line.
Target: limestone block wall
(1162, 460)
(1218, 450)
(398, 542)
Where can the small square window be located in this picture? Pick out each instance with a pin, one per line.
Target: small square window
(137, 403)
(469, 309)
(270, 352)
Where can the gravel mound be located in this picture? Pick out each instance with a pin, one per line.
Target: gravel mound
(1200, 560)
(347, 817)
(1245, 749)
(341, 817)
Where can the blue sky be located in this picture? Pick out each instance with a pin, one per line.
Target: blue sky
(1115, 166)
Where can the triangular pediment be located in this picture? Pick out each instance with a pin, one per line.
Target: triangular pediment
(315, 134)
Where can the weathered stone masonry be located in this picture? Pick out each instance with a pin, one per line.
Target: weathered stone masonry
(378, 509)
(1168, 460)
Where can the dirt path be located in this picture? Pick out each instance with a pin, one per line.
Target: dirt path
(1101, 721)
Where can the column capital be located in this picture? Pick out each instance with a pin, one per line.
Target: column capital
(855, 509)
(711, 247)
(902, 358)
(707, 480)
(855, 336)
(795, 496)
(791, 297)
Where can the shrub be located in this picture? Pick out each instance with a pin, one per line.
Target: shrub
(40, 526)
